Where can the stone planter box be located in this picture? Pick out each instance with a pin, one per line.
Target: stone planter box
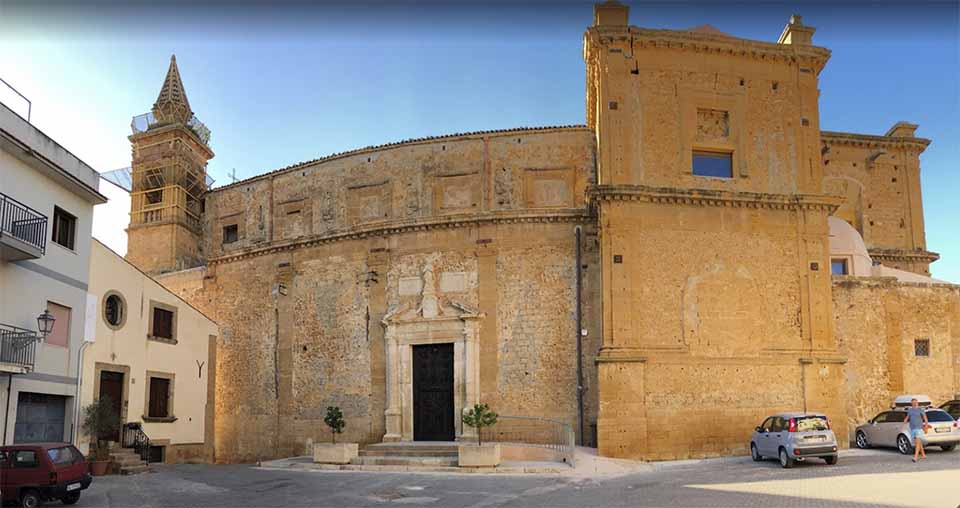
(339, 453)
(487, 455)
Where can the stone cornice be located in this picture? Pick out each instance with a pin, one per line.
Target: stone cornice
(872, 141)
(923, 256)
(704, 197)
(386, 228)
(710, 43)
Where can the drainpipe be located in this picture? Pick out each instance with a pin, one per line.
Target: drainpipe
(76, 400)
(577, 231)
(6, 412)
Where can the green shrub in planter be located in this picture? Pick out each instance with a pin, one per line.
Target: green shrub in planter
(479, 417)
(334, 420)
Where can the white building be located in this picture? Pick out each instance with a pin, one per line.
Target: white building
(47, 197)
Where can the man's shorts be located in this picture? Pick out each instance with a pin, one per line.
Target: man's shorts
(917, 433)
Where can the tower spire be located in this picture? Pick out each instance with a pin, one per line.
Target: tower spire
(172, 105)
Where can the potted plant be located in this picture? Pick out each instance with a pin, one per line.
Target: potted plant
(333, 452)
(479, 455)
(100, 419)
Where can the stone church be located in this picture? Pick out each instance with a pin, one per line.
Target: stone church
(698, 255)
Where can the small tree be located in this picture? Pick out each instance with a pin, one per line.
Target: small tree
(479, 417)
(100, 419)
(334, 420)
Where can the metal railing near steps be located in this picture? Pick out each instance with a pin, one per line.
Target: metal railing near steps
(534, 431)
(134, 437)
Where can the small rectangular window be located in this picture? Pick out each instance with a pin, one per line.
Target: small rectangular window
(64, 228)
(921, 347)
(230, 233)
(159, 397)
(715, 164)
(162, 323)
(839, 267)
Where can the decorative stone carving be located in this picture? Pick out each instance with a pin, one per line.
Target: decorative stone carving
(712, 124)
(406, 327)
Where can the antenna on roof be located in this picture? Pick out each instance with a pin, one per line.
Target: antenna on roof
(233, 175)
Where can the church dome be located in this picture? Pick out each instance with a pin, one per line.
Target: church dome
(846, 243)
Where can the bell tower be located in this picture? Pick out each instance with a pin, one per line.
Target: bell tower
(169, 177)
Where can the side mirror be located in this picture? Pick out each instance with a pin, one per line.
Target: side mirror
(759, 429)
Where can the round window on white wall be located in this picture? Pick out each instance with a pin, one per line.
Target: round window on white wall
(114, 310)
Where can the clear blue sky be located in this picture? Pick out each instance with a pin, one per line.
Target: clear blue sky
(281, 85)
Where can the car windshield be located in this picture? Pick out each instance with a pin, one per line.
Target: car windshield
(938, 416)
(812, 423)
(61, 456)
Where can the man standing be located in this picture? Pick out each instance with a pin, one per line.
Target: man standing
(917, 419)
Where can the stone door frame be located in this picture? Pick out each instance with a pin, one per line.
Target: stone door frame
(402, 333)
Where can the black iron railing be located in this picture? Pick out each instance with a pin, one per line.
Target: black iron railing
(17, 345)
(134, 437)
(22, 222)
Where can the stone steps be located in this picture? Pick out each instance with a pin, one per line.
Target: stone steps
(385, 460)
(409, 453)
(417, 454)
(128, 461)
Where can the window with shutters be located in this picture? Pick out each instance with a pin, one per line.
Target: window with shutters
(159, 397)
(163, 323)
(159, 400)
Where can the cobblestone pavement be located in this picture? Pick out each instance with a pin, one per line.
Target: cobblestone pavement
(862, 478)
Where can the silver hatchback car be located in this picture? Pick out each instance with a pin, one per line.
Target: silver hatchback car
(794, 437)
(888, 429)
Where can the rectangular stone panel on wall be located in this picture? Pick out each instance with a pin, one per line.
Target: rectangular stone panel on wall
(369, 203)
(548, 188)
(457, 193)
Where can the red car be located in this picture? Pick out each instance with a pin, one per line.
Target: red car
(36, 472)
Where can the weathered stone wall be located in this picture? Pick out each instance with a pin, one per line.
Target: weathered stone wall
(709, 283)
(454, 175)
(879, 179)
(300, 314)
(694, 330)
(877, 322)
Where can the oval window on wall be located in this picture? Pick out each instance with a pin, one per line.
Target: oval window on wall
(114, 310)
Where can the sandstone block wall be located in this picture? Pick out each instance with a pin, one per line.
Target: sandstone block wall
(493, 215)
(879, 179)
(877, 323)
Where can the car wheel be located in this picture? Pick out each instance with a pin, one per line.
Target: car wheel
(832, 460)
(785, 461)
(904, 445)
(862, 440)
(30, 499)
(754, 454)
(71, 498)
(948, 448)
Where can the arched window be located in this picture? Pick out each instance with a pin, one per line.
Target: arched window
(114, 310)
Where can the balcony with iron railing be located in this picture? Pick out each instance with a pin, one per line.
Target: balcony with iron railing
(18, 348)
(23, 230)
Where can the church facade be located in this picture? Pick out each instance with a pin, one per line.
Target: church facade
(699, 252)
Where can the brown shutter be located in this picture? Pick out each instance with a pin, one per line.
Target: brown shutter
(162, 323)
(159, 395)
